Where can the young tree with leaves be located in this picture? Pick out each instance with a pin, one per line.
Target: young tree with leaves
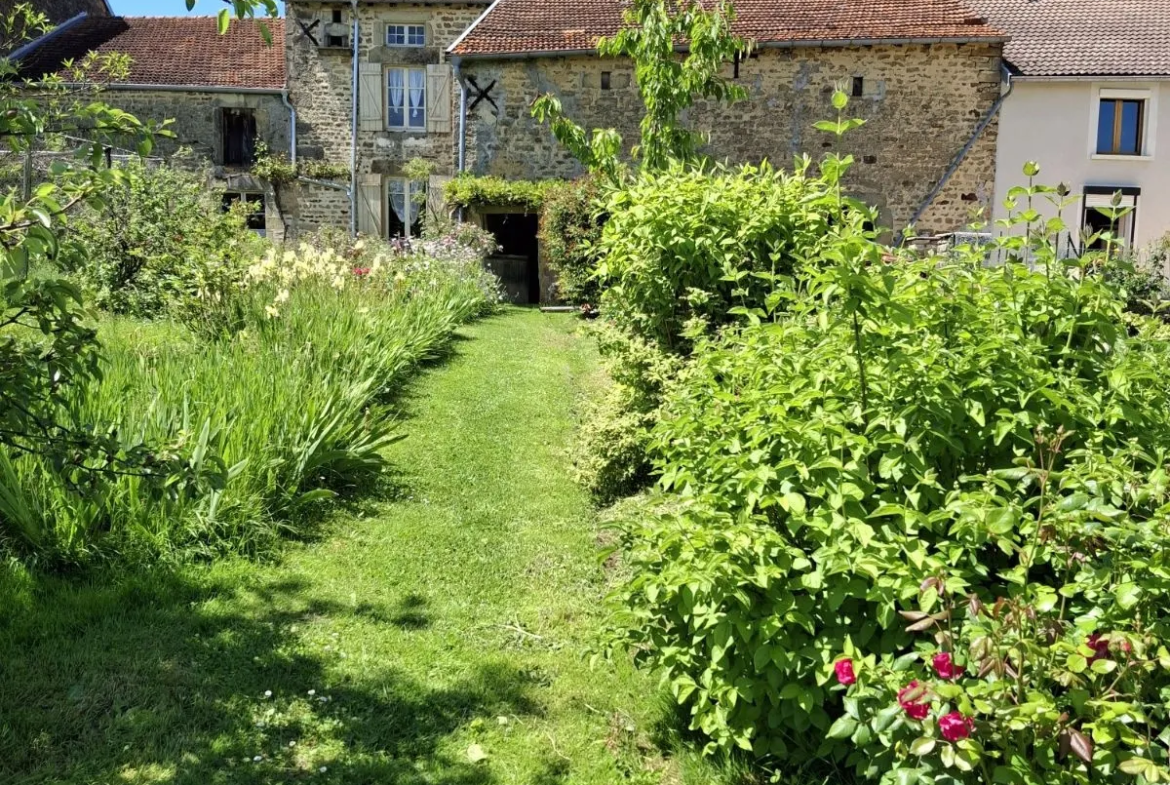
(680, 51)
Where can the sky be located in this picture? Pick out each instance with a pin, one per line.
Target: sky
(167, 7)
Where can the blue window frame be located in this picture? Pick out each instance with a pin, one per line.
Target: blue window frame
(1120, 128)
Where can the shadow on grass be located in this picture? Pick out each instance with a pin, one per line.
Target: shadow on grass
(161, 678)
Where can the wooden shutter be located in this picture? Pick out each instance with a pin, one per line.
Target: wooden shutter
(371, 97)
(369, 205)
(439, 99)
(436, 200)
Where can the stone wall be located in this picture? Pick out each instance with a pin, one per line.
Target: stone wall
(197, 128)
(321, 87)
(922, 104)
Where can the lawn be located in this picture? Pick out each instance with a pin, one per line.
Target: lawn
(435, 633)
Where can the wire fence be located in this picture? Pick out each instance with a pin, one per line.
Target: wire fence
(23, 170)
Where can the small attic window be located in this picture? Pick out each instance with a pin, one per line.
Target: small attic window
(606, 80)
(337, 34)
(858, 86)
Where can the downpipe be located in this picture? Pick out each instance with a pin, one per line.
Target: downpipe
(353, 155)
(461, 166)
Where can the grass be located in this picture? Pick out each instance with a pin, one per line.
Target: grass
(260, 428)
(436, 636)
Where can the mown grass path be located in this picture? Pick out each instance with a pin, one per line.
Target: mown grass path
(435, 638)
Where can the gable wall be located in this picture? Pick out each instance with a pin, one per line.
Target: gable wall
(922, 103)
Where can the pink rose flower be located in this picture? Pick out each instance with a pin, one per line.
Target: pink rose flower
(955, 726)
(845, 674)
(910, 699)
(946, 668)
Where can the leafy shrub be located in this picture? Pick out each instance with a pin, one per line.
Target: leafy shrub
(842, 473)
(570, 230)
(467, 190)
(288, 393)
(1142, 277)
(156, 238)
(684, 244)
(610, 455)
(685, 252)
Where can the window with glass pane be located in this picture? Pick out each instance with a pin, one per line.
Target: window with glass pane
(406, 98)
(407, 207)
(406, 35)
(1120, 127)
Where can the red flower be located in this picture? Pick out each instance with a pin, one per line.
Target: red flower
(955, 726)
(845, 673)
(946, 668)
(1099, 646)
(361, 272)
(910, 699)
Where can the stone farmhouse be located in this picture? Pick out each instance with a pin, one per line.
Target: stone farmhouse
(367, 86)
(225, 94)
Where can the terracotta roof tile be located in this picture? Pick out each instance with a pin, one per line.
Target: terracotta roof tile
(175, 51)
(1084, 37)
(550, 26)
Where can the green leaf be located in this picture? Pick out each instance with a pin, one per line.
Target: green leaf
(1127, 595)
(1077, 663)
(886, 717)
(1104, 666)
(842, 728)
(224, 20)
(923, 746)
(907, 777)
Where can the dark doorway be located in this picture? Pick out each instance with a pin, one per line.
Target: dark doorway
(517, 263)
(239, 137)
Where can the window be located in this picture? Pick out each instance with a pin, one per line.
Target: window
(337, 34)
(1121, 127)
(406, 35)
(858, 86)
(408, 204)
(406, 98)
(1098, 198)
(256, 212)
(239, 137)
(606, 80)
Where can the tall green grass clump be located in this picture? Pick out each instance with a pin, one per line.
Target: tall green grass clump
(275, 391)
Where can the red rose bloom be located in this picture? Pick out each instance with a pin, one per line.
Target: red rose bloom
(955, 726)
(361, 272)
(946, 668)
(845, 674)
(910, 699)
(1099, 646)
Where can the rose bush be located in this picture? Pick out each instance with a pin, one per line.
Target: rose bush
(909, 438)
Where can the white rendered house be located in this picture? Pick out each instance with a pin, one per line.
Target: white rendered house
(1089, 102)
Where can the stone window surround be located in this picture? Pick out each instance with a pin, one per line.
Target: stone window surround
(1134, 92)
